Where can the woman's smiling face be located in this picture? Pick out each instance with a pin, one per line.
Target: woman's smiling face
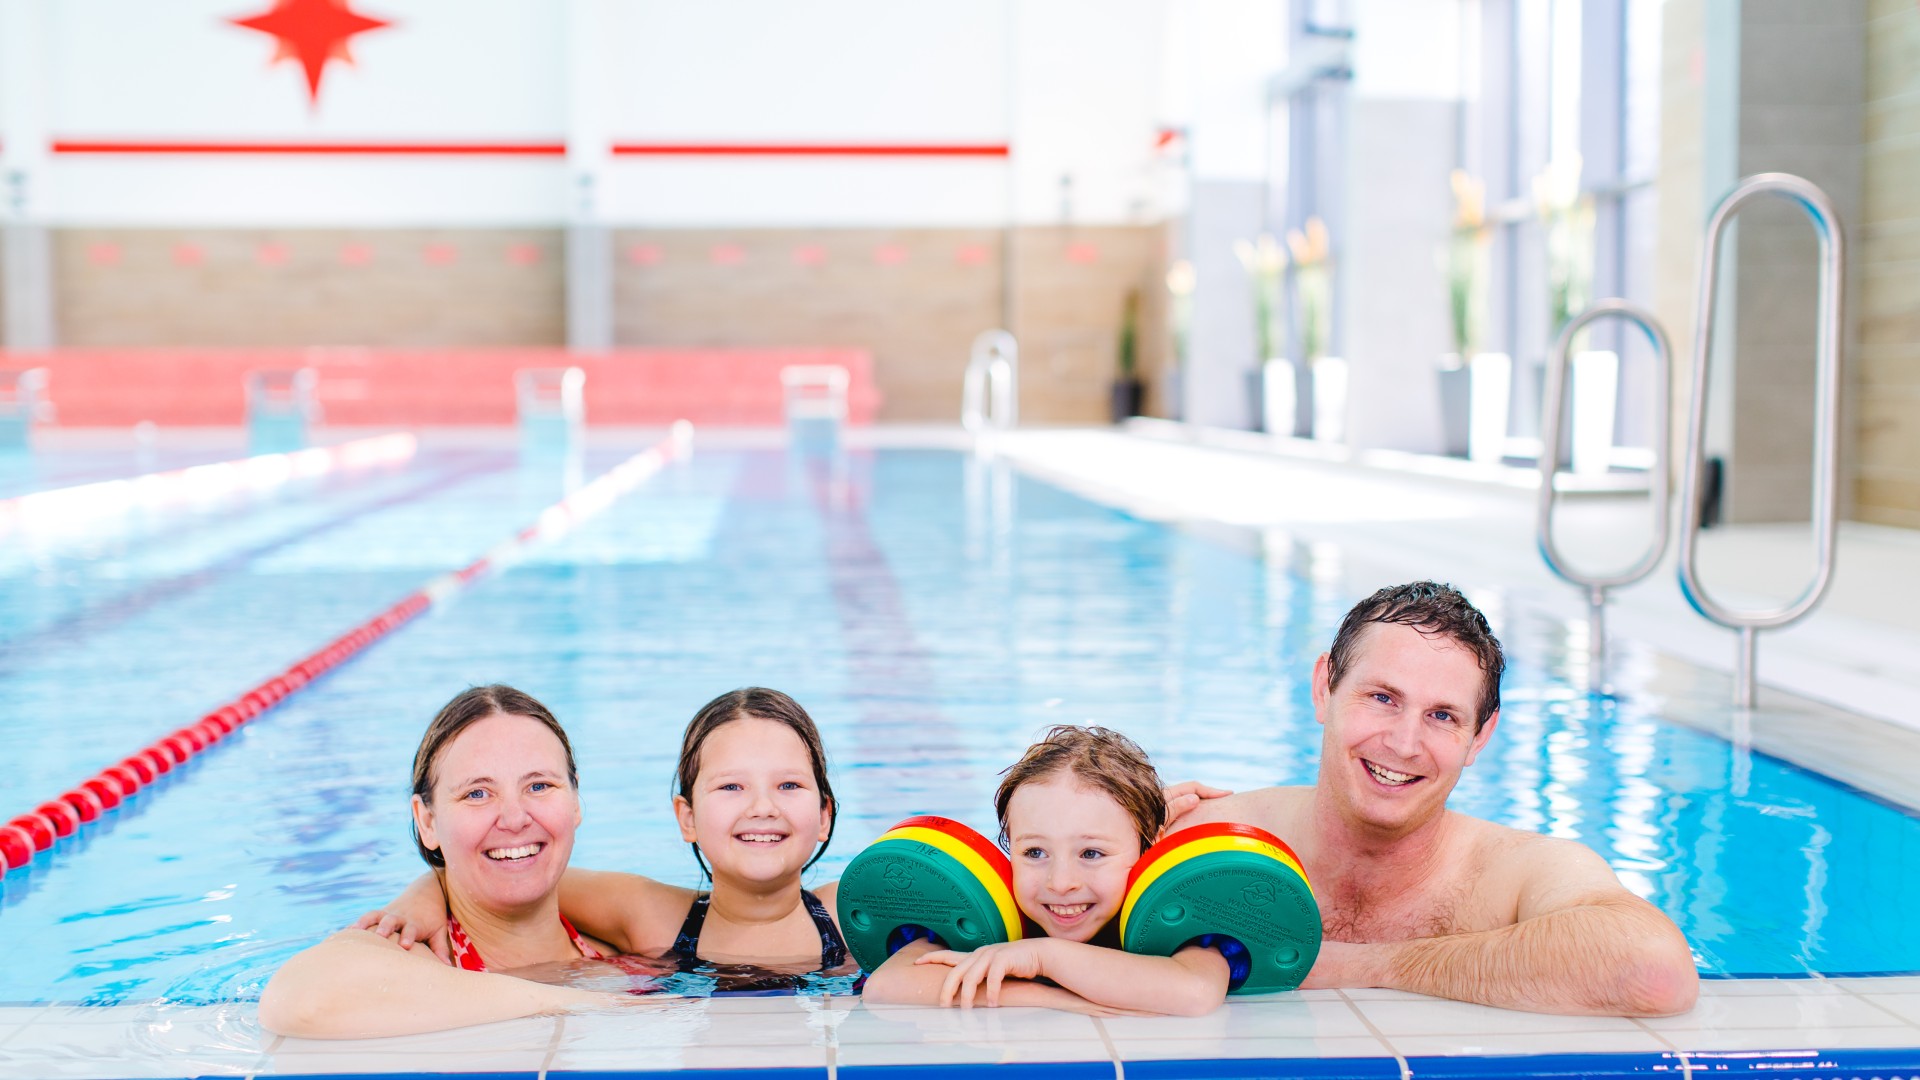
(1072, 847)
(503, 814)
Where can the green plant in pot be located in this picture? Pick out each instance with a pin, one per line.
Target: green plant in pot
(1312, 251)
(1568, 217)
(1129, 392)
(1465, 266)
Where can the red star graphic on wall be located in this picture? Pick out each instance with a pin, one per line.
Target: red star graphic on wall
(312, 32)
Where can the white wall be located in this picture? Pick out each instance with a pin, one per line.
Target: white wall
(1074, 85)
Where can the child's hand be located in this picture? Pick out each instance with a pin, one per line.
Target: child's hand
(1183, 797)
(392, 923)
(985, 969)
(419, 913)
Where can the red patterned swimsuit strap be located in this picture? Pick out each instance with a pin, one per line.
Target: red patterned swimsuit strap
(466, 957)
(586, 950)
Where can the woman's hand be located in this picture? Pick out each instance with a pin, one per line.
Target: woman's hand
(986, 968)
(1183, 797)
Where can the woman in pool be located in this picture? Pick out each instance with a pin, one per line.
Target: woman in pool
(1076, 812)
(495, 807)
(754, 802)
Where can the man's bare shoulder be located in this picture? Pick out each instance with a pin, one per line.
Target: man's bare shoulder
(1279, 810)
(1529, 866)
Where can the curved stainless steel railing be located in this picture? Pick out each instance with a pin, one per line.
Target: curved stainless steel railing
(990, 390)
(1826, 403)
(1596, 585)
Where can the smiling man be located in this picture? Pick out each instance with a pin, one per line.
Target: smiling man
(1418, 897)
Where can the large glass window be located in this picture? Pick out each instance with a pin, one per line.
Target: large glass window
(1564, 132)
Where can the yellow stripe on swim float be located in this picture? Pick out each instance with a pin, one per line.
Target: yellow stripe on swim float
(1205, 846)
(957, 849)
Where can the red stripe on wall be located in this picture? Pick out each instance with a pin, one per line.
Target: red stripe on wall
(535, 149)
(121, 146)
(811, 149)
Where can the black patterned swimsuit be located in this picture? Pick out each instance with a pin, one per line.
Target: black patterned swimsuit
(833, 948)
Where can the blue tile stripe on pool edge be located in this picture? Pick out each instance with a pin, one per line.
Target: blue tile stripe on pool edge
(1877, 1063)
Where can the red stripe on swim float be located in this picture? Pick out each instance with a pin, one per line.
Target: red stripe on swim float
(1171, 841)
(980, 845)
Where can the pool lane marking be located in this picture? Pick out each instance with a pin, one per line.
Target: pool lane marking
(34, 831)
(116, 609)
(69, 505)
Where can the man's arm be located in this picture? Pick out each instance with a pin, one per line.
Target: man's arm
(357, 985)
(1582, 944)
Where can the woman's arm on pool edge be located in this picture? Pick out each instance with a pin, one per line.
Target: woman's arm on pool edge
(357, 985)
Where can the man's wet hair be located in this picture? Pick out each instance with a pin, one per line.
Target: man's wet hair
(1434, 610)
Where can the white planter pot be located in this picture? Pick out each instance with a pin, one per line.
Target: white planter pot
(1596, 390)
(1491, 396)
(1277, 397)
(1330, 399)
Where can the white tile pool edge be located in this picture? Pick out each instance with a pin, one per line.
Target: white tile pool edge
(1766, 1024)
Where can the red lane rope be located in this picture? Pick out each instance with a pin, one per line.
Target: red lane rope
(36, 830)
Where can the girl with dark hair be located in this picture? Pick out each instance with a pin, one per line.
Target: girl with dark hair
(753, 800)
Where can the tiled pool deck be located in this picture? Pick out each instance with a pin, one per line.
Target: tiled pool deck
(1795, 1027)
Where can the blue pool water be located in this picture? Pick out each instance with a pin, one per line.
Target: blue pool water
(932, 612)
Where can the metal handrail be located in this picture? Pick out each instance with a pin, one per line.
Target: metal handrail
(1826, 403)
(1596, 585)
(990, 390)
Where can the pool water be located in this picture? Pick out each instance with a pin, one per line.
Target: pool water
(934, 613)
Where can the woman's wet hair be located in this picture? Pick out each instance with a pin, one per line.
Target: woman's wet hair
(1100, 758)
(1434, 610)
(467, 708)
(759, 703)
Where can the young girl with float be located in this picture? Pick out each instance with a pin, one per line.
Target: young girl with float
(1076, 813)
(754, 801)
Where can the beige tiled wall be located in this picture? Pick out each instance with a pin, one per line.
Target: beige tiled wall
(260, 287)
(1886, 471)
(1829, 91)
(914, 297)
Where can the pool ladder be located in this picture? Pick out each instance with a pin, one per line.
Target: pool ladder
(990, 390)
(1747, 623)
(1596, 585)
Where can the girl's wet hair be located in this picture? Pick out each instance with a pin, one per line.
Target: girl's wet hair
(469, 707)
(1100, 758)
(764, 704)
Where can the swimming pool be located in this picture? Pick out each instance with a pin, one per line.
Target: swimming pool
(933, 611)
